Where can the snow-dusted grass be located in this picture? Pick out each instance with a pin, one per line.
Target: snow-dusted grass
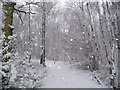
(60, 75)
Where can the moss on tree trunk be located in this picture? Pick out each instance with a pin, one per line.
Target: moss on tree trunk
(8, 9)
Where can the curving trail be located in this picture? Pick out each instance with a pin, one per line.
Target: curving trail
(60, 75)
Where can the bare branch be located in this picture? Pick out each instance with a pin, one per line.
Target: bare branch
(20, 17)
(23, 11)
(49, 10)
(21, 6)
(17, 10)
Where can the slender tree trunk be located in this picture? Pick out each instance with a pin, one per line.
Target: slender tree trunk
(29, 36)
(93, 62)
(43, 35)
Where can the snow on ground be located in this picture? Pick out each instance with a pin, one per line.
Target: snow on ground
(62, 76)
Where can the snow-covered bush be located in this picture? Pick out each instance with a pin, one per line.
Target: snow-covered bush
(26, 75)
(18, 72)
(6, 67)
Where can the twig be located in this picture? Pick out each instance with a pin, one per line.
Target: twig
(23, 11)
(20, 17)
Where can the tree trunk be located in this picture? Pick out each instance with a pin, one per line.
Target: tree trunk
(43, 35)
(29, 36)
(8, 9)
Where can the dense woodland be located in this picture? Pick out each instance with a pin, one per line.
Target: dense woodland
(85, 34)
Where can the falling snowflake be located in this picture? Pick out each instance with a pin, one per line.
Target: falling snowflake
(80, 48)
(92, 56)
(59, 67)
(36, 44)
(88, 66)
(66, 31)
(91, 77)
(25, 42)
(116, 39)
(71, 39)
(86, 41)
(73, 72)
(50, 65)
(63, 78)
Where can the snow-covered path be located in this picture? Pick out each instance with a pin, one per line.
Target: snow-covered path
(62, 76)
